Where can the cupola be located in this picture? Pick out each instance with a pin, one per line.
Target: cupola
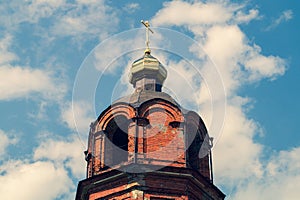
(147, 73)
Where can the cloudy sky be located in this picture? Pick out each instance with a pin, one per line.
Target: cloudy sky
(235, 62)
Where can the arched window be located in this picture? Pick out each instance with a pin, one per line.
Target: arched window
(120, 140)
(193, 152)
(116, 149)
(194, 141)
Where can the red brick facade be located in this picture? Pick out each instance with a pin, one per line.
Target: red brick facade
(149, 151)
(166, 184)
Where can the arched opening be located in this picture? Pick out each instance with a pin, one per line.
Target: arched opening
(116, 150)
(193, 152)
(120, 140)
(194, 142)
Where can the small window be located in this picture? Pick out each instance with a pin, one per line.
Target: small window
(149, 87)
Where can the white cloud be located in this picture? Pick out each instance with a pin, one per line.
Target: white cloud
(284, 17)
(53, 164)
(78, 116)
(280, 181)
(68, 153)
(241, 17)
(80, 19)
(131, 7)
(38, 180)
(105, 56)
(5, 140)
(15, 12)
(41, 112)
(180, 83)
(224, 44)
(261, 66)
(20, 82)
(84, 18)
(193, 14)
(114, 53)
(6, 55)
(23, 81)
(236, 155)
(203, 14)
(37, 9)
(223, 41)
(231, 51)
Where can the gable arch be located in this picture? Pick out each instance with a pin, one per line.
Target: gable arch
(114, 111)
(160, 105)
(108, 138)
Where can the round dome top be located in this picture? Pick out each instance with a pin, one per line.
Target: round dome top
(147, 67)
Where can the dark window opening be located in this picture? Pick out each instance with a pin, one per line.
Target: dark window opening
(158, 87)
(116, 150)
(193, 152)
(194, 141)
(120, 152)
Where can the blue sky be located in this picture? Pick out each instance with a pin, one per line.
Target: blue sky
(234, 62)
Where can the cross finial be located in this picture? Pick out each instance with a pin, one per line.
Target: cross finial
(147, 25)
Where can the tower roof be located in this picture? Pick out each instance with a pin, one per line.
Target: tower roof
(138, 98)
(147, 67)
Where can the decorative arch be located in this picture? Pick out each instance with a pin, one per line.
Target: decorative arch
(161, 105)
(120, 109)
(163, 141)
(108, 139)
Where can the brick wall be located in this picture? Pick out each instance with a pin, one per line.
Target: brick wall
(159, 134)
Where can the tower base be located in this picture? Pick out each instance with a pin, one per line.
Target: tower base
(168, 183)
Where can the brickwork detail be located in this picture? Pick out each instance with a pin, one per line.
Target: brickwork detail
(157, 133)
(156, 141)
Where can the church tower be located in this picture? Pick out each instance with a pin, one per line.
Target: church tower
(146, 146)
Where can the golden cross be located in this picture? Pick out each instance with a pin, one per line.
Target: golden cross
(147, 25)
